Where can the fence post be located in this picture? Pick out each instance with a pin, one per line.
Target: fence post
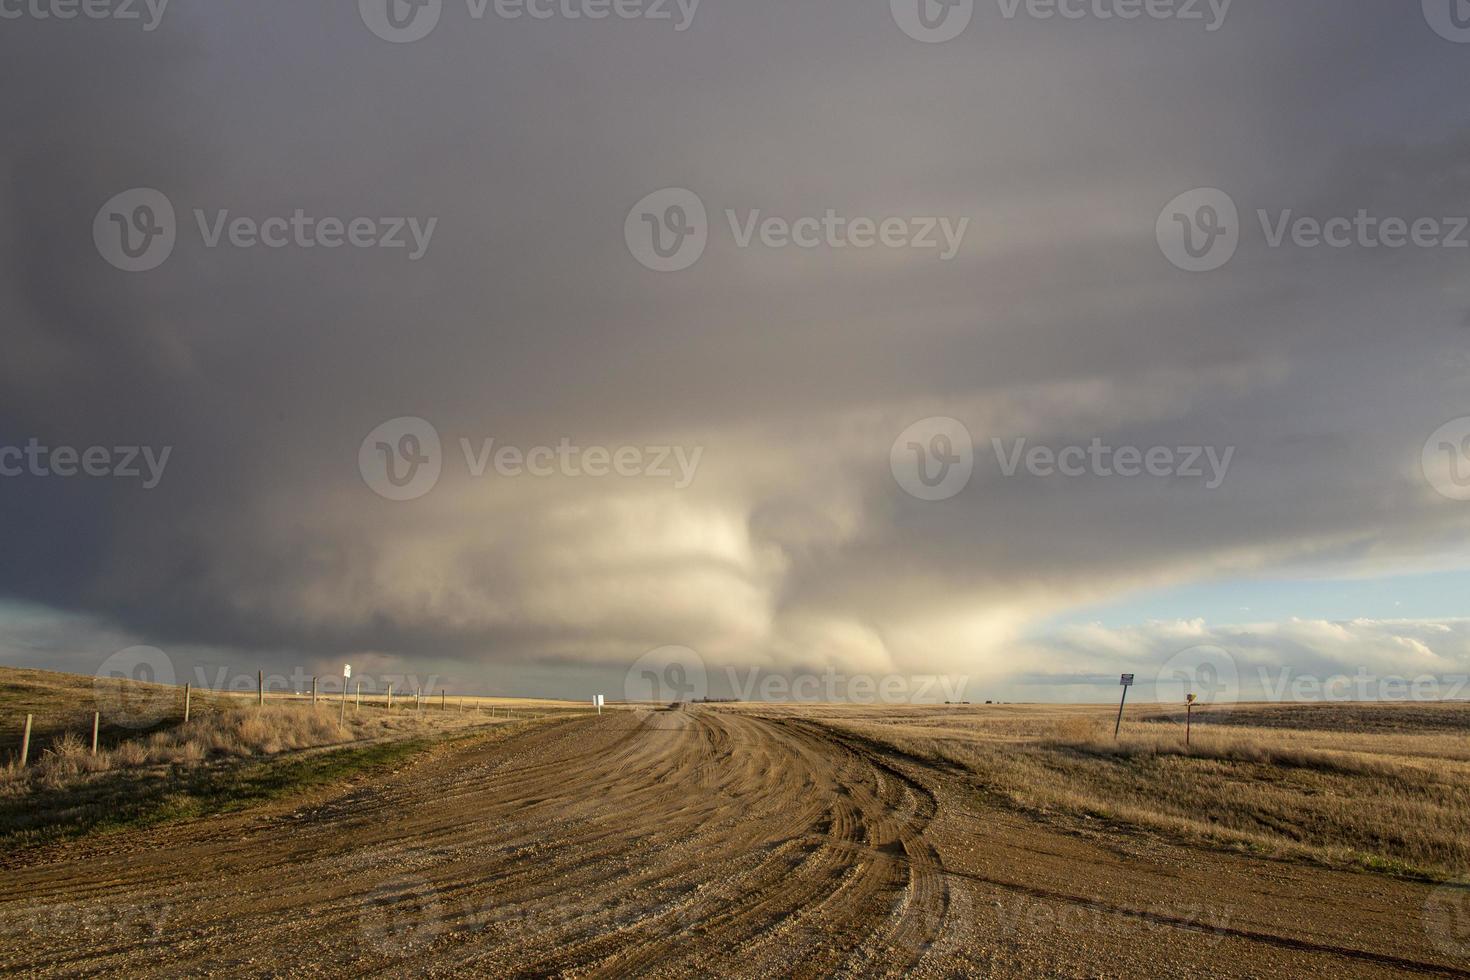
(358, 706)
(260, 682)
(443, 702)
(25, 743)
(96, 724)
(188, 691)
(390, 695)
(313, 692)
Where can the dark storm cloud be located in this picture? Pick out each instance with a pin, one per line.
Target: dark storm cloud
(527, 320)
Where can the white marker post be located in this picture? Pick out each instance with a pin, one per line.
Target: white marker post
(597, 700)
(346, 676)
(1127, 682)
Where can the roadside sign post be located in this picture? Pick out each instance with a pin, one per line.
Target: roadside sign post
(1127, 682)
(1188, 717)
(346, 676)
(597, 700)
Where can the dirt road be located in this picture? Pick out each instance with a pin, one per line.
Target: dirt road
(679, 843)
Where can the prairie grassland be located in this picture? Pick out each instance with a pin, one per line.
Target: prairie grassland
(1382, 786)
(151, 765)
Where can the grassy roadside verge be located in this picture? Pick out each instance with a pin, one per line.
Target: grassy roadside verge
(126, 800)
(1378, 793)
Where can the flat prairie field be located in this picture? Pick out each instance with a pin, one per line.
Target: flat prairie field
(757, 840)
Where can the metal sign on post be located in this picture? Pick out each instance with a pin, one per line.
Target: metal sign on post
(1126, 682)
(597, 702)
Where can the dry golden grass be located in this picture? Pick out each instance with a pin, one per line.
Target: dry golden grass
(221, 727)
(1378, 786)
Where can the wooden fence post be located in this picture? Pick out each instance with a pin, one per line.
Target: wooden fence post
(260, 682)
(96, 724)
(25, 743)
(188, 691)
(390, 695)
(443, 702)
(313, 692)
(358, 706)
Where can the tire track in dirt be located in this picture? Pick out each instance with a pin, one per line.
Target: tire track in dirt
(640, 841)
(666, 843)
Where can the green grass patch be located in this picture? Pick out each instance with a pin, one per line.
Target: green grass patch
(123, 800)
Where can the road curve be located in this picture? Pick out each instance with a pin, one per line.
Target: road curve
(674, 843)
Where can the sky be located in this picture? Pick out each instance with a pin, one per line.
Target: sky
(464, 350)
